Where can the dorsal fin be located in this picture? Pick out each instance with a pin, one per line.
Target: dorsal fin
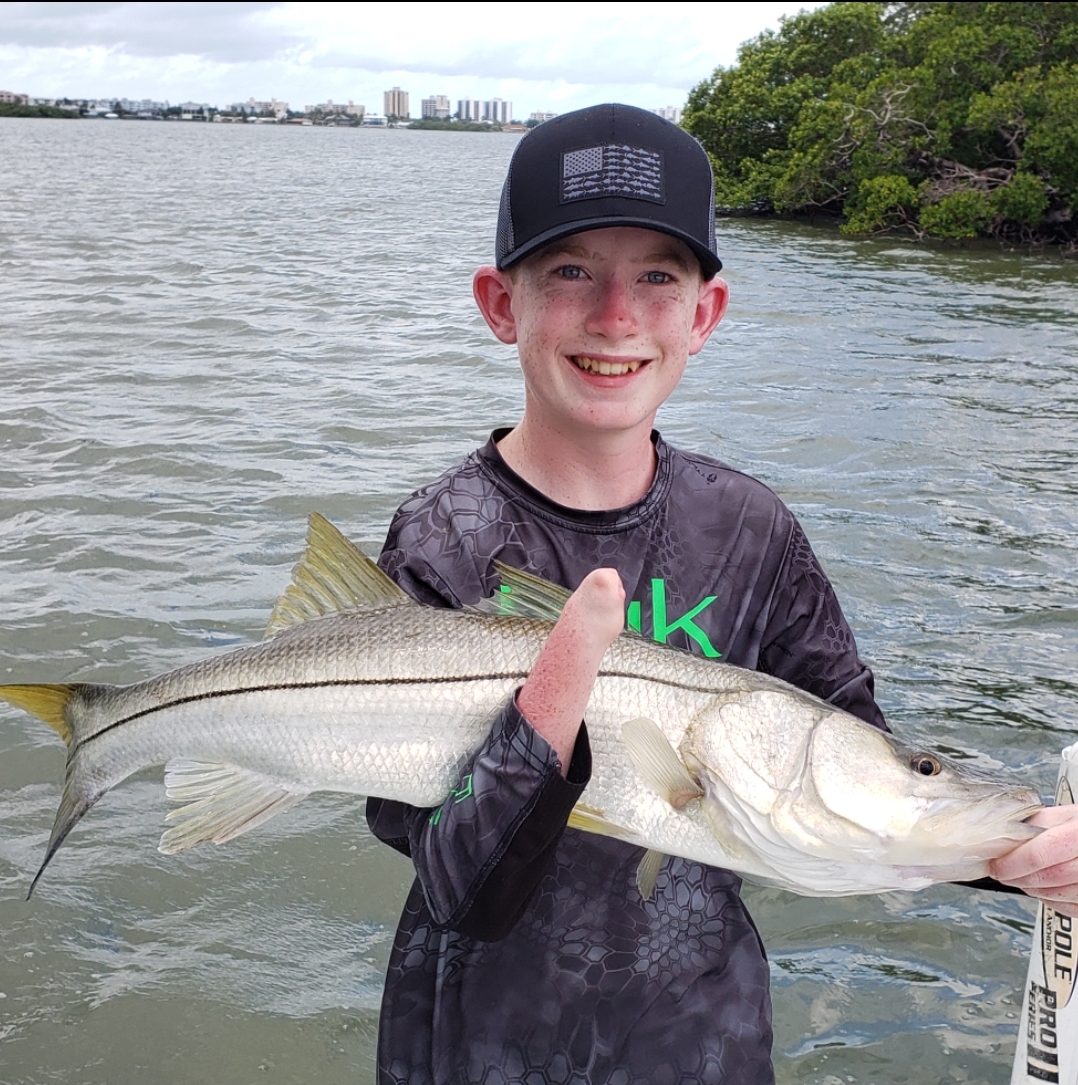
(333, 575)
(523, 595)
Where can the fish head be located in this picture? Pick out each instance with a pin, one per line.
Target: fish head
(803, 786)
(924, 810)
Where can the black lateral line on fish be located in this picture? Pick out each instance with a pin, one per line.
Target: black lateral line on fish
(336, 683)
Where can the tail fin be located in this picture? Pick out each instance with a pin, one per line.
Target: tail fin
(45, 702)
(49, 703)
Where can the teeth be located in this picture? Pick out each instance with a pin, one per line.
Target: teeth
(607, 369)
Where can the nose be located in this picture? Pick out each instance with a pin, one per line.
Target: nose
(612, 315)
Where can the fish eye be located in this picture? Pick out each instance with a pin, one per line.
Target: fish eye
(926, 764)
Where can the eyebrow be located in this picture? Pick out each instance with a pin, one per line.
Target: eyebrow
(669, 253)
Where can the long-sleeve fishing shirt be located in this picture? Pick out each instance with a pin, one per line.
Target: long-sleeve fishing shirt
(525, 952)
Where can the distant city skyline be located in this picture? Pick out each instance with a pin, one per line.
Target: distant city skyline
(395, 105)
(541, 57)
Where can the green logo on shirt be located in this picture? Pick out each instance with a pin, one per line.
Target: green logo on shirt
(662, 627)
(457, 795)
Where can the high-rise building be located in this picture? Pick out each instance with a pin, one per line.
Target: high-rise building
(497, 112)
(542, 117)
(436, 107)
(330, 106)
(278, 109)
(670, 113)
(469, 109)
(396, 103)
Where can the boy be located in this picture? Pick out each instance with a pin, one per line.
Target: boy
(525, 952)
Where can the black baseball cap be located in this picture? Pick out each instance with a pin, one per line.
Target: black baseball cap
(607, 165)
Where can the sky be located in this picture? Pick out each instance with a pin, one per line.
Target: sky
(541, 57)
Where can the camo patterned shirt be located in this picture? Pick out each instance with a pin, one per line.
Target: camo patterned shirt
(525, 955)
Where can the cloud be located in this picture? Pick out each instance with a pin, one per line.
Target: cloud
(539, 56)
(581, 43)
(224, 32)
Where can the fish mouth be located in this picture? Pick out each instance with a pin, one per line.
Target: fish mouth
(605, 367)
(987, 828)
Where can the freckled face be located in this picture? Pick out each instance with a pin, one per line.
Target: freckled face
(605, 322)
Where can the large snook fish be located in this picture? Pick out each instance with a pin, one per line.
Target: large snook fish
(357, 688)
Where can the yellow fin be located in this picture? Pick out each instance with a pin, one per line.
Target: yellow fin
(47, 702)
(589, 819)
(333, 575)
(523, 595)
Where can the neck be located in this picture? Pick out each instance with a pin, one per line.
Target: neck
(585, 470)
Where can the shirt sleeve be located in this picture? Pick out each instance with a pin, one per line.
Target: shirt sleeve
(480, 856)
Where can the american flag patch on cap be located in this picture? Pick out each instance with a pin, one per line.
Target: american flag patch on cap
(612, 169)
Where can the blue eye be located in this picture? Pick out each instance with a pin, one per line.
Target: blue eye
(657, 277)
(570, 271)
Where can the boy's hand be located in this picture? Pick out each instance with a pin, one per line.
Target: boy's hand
(1046, 867)
(556, 692)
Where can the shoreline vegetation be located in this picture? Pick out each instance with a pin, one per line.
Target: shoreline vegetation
(17, 109)
(944, 120)
(74, 111)
(435, 124)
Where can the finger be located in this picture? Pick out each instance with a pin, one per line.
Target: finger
(1060, 878)
(1051, 816)
(600, 601)
(1056, 847)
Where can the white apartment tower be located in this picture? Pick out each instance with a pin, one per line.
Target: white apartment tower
(436, 107)
(670, 113)
(396, 103)
(469, 109)
(497, 112)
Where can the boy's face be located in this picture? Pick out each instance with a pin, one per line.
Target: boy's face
(604, 323)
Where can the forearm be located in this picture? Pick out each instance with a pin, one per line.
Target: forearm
(480, 855)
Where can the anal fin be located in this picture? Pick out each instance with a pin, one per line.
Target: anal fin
(221, 802)
(590, 819)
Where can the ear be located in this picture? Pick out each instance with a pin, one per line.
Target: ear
(714, 294)
(493, 293)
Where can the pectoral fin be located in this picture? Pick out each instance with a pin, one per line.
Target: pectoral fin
(658, 763)
(222, 802)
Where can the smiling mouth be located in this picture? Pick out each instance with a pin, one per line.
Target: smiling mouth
(606, 369)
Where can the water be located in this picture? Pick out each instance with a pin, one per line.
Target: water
(210, 331)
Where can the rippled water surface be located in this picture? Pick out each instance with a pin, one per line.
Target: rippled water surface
(209, 331)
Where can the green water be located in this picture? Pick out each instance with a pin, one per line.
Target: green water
(208, 332)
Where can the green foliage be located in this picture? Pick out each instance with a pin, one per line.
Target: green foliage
(961, 214)
(436, 124)
(950, 119)
(881, 203)
(16, 109)
(1023, 201)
